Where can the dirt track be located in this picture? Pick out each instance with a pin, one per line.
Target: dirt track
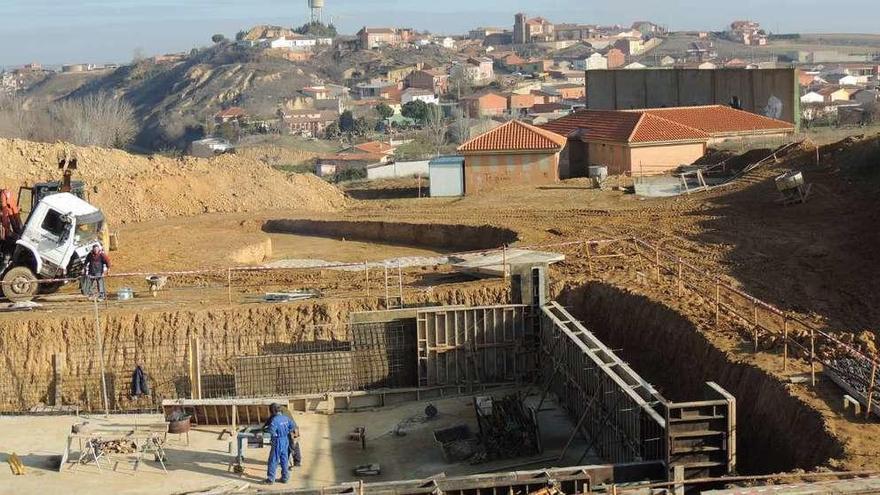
(817, 259)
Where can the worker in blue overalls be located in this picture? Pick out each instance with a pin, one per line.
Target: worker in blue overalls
(279, 426)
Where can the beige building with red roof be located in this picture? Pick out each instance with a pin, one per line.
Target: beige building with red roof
(654, 141)
(514, 153)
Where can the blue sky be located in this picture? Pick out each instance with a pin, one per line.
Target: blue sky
(65, 31)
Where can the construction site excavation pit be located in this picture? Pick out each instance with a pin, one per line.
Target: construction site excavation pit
(776, 431)
(302, 243)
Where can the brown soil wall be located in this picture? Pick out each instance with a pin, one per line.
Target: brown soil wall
(451, 237)
(776, 431)
(158, 342)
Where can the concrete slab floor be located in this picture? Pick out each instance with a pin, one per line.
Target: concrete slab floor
(328, 455)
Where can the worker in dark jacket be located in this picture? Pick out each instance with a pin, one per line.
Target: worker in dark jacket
(280, 427)
(96, 267)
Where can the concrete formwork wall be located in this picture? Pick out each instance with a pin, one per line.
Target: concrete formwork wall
(461, 346)
(609, 402)
(757, 89)
(54, 359)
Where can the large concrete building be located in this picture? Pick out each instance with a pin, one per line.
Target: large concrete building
(515, 153)
(375, 37)
(770, 92)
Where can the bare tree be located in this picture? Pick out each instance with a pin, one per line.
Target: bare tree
(461, 125)
(436, 127)
(94, 120)
(15, 119)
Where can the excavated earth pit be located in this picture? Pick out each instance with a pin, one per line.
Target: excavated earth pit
(433, 236)
(776, 431)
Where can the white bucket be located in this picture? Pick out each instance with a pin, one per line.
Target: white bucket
(124, 294)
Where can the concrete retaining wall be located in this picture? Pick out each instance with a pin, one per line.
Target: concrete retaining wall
(650, 88)
(398, 170)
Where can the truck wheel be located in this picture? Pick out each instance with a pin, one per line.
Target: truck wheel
(19, 284)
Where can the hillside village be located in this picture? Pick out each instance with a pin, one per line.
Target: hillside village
(398, 85)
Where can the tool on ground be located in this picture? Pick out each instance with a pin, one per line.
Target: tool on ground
(359, 434)
(15, 464)
(368, 470)
(248, 437)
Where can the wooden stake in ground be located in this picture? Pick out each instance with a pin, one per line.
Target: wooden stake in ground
(784, 344)
(871, 389)
(100, 344)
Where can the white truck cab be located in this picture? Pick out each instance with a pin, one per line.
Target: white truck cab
(58, 235)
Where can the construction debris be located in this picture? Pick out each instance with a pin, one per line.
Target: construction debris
(119, 446)
(854, 377)
(291, 296)
(507, 428)
(368, 470)
(457, 443)
(15, 464)
(225, 488)
(793, 188)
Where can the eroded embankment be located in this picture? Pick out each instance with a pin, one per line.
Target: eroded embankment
(776, 431)
(158, 342)
(439, 236)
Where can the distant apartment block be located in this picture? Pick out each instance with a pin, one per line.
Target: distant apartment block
(747, 33)
(376, 37)
(481, 33)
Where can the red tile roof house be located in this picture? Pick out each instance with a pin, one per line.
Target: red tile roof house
(229, 115)
(514, 153)
(653, 141)
(484, 104)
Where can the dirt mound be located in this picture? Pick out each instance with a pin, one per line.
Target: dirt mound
(133, 188)
(276, 155)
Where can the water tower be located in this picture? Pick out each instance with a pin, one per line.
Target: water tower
(317, 8)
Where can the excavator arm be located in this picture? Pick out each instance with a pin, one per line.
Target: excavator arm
(11, 226)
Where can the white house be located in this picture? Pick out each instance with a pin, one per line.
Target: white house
(841, 79)
(479, 70)
(413, 94)
(298, 42)
(596, 61)
(667, 61)
(812, 97)
(707, 66)
(635, 65)
(447, 42)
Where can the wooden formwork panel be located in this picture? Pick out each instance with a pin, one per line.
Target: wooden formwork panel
(472, 345)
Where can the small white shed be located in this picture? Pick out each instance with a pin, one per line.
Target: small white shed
(447, 176)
